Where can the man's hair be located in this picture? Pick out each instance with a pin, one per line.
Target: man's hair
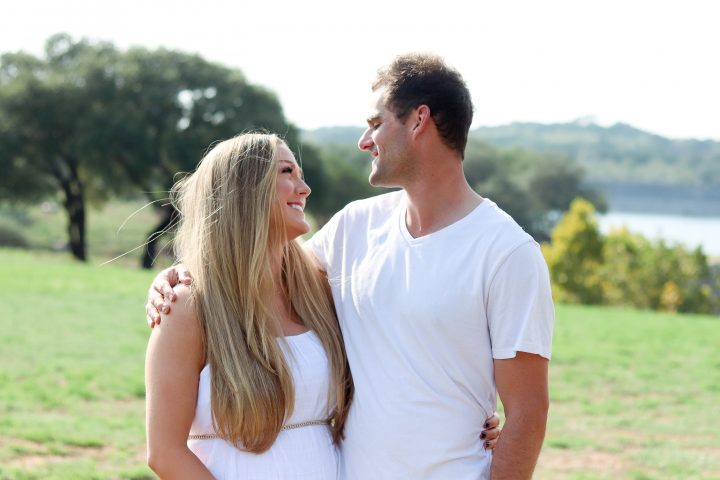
(416, 79)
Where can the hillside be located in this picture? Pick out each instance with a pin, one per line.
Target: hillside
(619, 153)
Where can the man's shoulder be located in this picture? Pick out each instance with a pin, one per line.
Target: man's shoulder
(505, 230)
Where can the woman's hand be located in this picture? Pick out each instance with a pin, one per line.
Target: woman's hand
(491, 432)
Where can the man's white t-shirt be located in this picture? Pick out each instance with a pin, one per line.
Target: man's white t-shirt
(423, 319)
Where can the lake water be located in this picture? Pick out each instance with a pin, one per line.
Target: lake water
(688, 230)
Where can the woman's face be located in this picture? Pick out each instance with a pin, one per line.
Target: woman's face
(292, 193)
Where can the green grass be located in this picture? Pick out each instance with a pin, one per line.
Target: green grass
(634, 394)
(72, 341)
(115, 229)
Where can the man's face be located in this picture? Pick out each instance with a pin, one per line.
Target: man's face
(386, 139)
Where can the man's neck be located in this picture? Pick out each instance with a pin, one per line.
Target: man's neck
(438, 202)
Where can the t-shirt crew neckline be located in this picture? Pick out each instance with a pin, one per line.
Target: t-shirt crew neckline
(402, 209)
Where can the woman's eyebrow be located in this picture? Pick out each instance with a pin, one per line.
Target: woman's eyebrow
(293, 165)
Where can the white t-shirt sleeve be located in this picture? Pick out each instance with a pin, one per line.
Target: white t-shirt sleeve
(321, 243)
(520, 309)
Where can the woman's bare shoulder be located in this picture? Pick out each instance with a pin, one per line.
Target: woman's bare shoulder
(178, 334)
(182, 311)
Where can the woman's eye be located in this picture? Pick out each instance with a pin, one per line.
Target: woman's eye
(286, 170)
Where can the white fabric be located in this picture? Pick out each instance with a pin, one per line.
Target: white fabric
(422, 321)
(305, 453)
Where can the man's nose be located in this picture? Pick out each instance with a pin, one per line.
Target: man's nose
(366, 143)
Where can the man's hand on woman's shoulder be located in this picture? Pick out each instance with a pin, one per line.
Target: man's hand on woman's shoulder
(161, 294)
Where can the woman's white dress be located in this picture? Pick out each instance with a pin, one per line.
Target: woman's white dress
(305, 453)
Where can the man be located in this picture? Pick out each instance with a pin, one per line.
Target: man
(443, 300)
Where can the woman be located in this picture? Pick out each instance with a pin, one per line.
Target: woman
(249, 379)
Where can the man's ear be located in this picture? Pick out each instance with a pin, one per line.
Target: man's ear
(421, 118)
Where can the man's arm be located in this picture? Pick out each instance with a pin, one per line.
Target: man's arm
(522, 383)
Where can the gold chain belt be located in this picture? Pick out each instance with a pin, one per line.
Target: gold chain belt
(289, 426)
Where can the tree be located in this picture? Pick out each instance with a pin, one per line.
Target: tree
(49, 112)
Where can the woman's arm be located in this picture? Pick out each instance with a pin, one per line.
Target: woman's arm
(173, 363)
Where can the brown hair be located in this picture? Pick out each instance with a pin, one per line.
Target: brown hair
(418, 79)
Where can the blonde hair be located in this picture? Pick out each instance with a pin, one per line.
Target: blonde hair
(230, 226)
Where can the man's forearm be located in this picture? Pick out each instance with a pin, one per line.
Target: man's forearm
(519, 445)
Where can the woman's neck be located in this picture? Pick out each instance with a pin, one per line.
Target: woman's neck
(290, 322)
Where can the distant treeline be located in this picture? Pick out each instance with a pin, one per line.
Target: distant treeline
(619, 153)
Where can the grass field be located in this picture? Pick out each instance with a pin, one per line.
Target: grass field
(116, 229)
(634, 394)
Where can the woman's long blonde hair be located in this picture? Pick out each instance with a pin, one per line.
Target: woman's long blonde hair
(229, 232)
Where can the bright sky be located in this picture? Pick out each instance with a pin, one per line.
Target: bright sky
(652, 64)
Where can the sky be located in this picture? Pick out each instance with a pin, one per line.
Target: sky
(652, 64)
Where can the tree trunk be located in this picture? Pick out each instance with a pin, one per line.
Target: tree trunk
(75, 208)
(169, 216)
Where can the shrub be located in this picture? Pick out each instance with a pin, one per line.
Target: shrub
(575, 255)
(627, 269)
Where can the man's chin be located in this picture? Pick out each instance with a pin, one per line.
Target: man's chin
(379, 181)
(376, 180)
